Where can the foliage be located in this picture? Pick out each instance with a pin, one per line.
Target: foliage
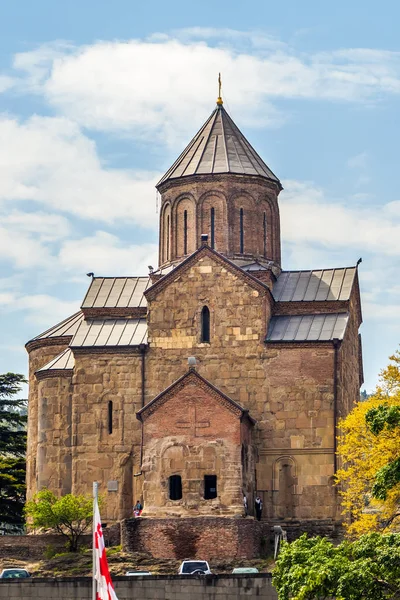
(369, 450)
(12, 417)
(315, 569)
(12, 492)
(12, 452)
(69, 515)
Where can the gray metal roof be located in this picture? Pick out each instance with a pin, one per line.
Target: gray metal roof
(219, 147)
(116, 292)
(110, 332)
(329, 284)
(63, 361)
(67, 327)
(302, 328)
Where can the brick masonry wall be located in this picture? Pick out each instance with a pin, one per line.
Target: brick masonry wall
(223, 587)
(227, 194)
(192, 432)
(204, 538)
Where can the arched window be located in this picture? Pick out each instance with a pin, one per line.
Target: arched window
(175, 487)
(167, 234)
(210, 487)
(110, 416)
(205, 324)
(185, 232)
(265, 233)
(212, 221)
(241, 232)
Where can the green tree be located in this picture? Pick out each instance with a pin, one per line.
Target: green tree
(315, 569)
(381, 420)
(69, 515)
(12, 451)
(369, 448)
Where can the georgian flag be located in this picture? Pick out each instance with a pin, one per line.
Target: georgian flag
(104, 586)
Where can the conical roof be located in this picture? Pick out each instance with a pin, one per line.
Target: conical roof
(219, 147)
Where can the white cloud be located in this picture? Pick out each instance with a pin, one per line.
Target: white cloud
(23, 251)
(381, 312)
(41, 309)
(51, 162)
(48, 227)
(104, 254)
(161, 87)
(6, 83)
(309, 218)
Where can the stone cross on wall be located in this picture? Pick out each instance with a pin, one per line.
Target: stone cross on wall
(195, 424)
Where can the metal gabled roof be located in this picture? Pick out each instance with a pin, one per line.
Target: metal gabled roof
(110, 332)
(219, 147)
(63, 361)
(68, 327)
(328, 284)
(307, 328)
(116, 292)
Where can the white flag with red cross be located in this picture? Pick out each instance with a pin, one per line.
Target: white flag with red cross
(104, 586)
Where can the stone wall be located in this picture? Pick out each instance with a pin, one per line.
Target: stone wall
(33, 547)
(287, 388)
(40, 353)
(204, 538)
(54, 459)
(97, 454)
(184, 587)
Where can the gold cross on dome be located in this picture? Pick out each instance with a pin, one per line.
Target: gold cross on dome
(219, 99)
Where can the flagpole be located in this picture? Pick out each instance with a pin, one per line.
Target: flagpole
(94, 583)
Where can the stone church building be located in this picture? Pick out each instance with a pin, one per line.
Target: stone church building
(215, 376)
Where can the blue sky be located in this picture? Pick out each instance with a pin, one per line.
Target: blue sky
(97, 99)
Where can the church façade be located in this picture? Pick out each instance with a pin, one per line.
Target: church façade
(217, 375)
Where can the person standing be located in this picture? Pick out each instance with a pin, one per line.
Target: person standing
(258, 505)
(137, 509)
(245, 505)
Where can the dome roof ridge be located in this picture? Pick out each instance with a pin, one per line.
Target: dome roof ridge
(219, 147)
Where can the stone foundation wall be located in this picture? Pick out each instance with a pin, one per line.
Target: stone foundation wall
(204, 538)
(34, 546)
(223, 587)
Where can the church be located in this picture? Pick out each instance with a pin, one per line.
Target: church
(217, 375)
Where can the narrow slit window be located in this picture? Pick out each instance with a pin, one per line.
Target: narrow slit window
(205, 324)
(212, 221)
(210, 487)
(185, 232)
(110, 416)
(168, 237)
(265, 234)
(241, 232)
(175, 487)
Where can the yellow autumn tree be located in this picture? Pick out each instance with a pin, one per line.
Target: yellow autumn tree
(369, 452)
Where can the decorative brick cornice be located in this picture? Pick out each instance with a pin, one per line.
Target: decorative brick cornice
(193, 378)
(186, 264)
(220, 177)
(296, 451)
(80, 350)
(50, 341)
(53, 373)
(303, 344)
(124, 312)
(312, 307)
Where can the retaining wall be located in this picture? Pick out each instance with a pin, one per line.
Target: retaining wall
(203, 537)
(173, 587)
